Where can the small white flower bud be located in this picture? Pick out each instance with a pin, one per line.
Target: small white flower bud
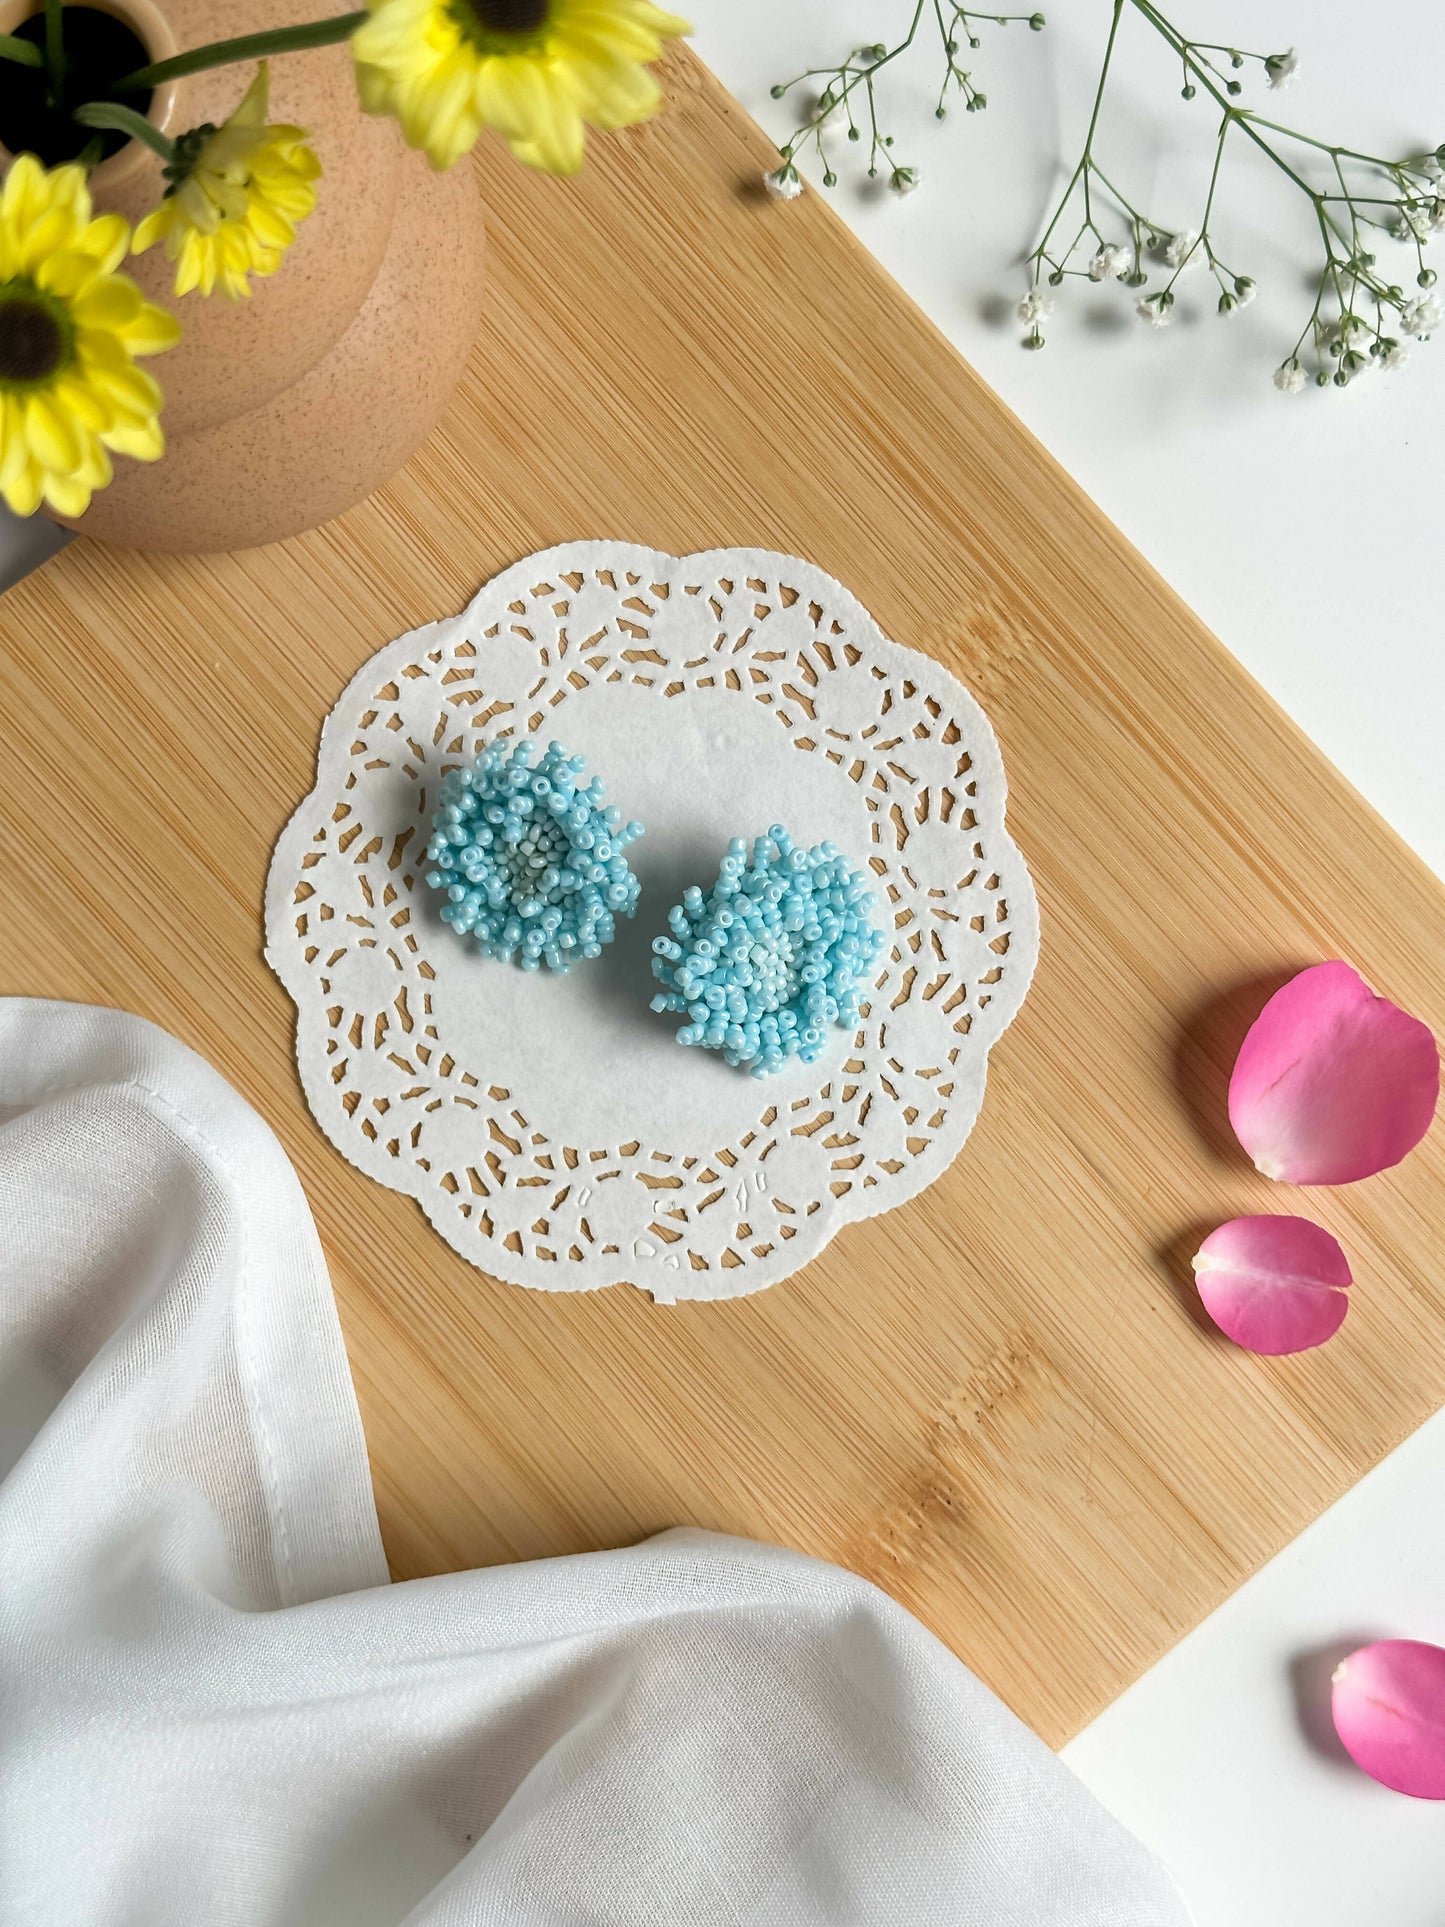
(1110, 263)
(1180, 247)
(1422, 316)
(1280, 69)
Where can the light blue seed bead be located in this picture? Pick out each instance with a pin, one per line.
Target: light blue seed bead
(504, 833)
(771, 957)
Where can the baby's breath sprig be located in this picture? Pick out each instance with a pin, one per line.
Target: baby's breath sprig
(1362, 316)
(849, 93)
(1360, 311)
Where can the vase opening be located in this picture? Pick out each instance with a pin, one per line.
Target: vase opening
(100, 49)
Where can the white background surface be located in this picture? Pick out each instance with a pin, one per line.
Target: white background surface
(1308, 533)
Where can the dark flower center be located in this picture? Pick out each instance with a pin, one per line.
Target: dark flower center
(502, 26)
(34, 336)
(511, 16)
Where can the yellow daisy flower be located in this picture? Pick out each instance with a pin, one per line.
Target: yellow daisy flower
(70, 329)
(235, 197)
(535, 70)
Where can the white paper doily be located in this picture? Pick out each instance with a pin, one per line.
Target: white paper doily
(549, 1127)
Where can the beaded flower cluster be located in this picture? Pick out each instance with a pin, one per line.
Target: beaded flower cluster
(533, 865)
(771, 956)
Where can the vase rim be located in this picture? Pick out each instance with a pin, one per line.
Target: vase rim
(149, 24)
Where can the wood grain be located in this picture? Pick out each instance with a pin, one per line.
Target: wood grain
(1000, 1401)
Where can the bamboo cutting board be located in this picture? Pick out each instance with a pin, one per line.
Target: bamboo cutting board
(1000, 1401)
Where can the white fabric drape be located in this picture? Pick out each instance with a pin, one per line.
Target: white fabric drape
(214, 1709)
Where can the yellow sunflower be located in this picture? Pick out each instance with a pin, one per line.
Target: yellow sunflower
(535, 70)
(235, 197)
(70, 329)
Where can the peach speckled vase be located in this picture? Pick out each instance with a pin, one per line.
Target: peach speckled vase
(286, 409)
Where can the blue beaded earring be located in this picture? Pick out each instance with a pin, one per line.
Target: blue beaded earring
(775, 953)
(533, 866)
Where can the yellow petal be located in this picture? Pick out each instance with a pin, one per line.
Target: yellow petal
(108, 239)
(84, 403)
(642, 13)
(196, 208)
(617, 96)
(110, 303)
(67, 494)
(252, 110)
(69, 186)
(193, 266)
(14, 444)
(271, 229)
(609, 36)
(396, 28)
(293, 200)
(152, 331)
(56, 228)
(132, 389)
(96, 470)
(143, 442)
(373, 88)
(22, 495)
(66, 273)
(25, 192)
(54, 438)
(154, 227)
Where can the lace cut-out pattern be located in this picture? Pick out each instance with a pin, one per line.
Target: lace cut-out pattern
(568, 1145)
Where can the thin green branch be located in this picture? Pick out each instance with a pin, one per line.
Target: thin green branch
(1355, 304)
(863, 68)
(110, 115)
(249, 46)
(55, 47)
(24, 53)
(1086, 159)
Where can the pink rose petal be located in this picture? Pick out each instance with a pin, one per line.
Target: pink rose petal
(1389, 1707)
(1332, 1083)
(1273, 1285)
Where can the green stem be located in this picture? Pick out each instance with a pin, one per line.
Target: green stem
(111, 115)
(55, 47)
(23, 52)
(1325, 147)
(1224, 127)
(854, 75)
(249, 46)
(1123, 200)
(1245, 120)
(1213, 47)
(1098, 103)
(1086, 159)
